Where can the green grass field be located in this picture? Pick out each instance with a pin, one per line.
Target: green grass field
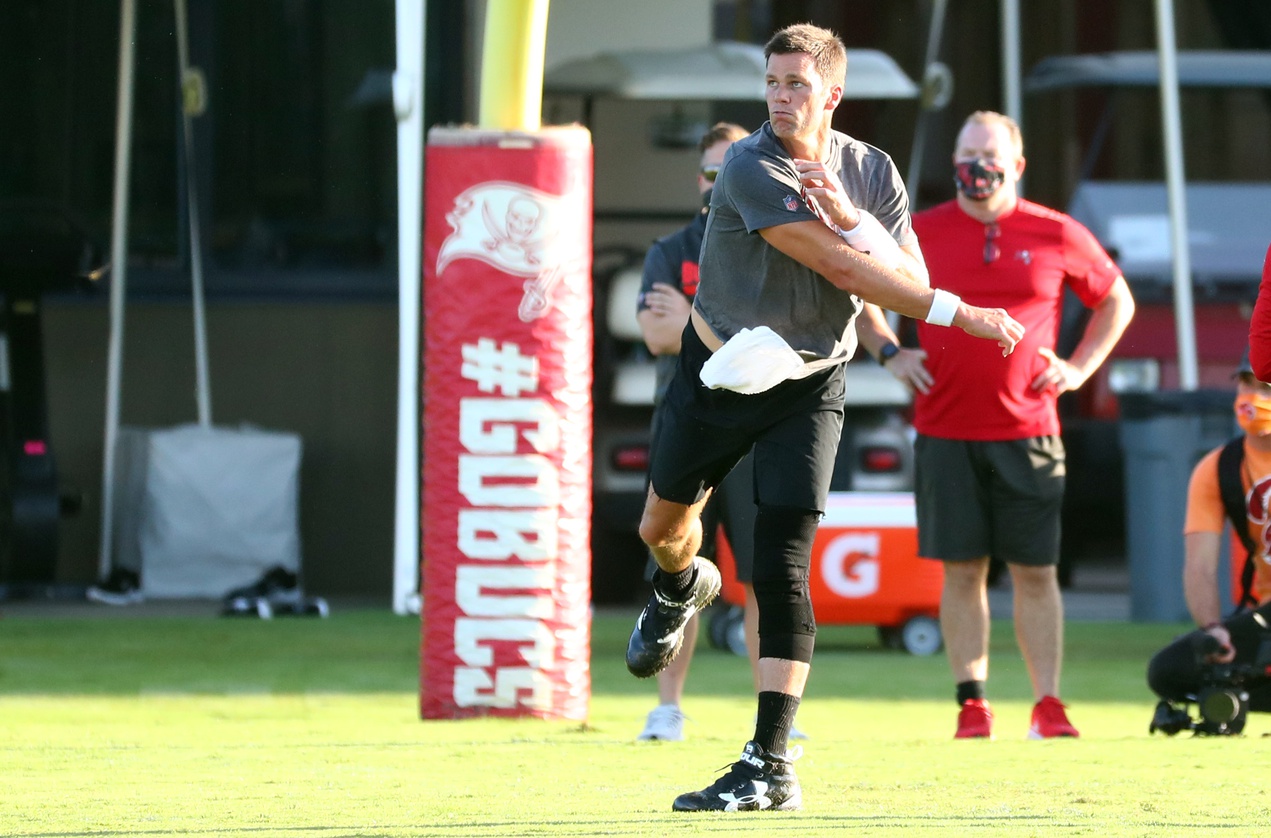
(220, 727)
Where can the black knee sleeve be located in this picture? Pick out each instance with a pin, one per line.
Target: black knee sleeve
(783, 550)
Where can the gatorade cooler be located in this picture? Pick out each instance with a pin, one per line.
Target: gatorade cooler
(865, 571)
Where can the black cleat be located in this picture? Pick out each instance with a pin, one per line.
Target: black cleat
(754, 783)
(659, 631)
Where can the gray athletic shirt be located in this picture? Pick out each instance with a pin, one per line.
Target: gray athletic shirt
(746, 282)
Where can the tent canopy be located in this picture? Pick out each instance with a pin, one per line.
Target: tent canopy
(1196, 68)
(714, 72)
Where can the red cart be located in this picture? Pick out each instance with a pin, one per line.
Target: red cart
(865, 571)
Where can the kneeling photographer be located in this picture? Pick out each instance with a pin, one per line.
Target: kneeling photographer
(1222, 667)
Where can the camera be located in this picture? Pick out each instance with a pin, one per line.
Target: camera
(1222, 699)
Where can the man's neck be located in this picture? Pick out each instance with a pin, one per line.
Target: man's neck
(989, 210)
(1259, 443)
(814, 146)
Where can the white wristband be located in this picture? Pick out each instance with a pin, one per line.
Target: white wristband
(943, 308)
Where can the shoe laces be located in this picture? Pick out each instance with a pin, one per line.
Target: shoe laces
(761, 760)
(1050, 720)
(667, 712)
(734, 774)
(1052, 710)
(974, 708)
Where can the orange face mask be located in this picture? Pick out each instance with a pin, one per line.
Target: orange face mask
(1253, 414)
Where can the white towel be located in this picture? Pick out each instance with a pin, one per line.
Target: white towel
(752, 361)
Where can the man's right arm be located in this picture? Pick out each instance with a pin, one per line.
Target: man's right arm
(1202, 542)
(814, 245)
(662, 309)
(662, 319)
(1200, 587)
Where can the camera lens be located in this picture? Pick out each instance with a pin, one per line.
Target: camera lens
(1219, 706)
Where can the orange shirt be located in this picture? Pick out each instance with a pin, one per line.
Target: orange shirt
(1205, 513)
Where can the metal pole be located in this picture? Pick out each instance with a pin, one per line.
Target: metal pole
(1184, 317)
(191, 100)
(934, 34)
(1011, 99)
(118, 275)
(408, 105)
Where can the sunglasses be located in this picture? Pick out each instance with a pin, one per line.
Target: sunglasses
(991, 248)
(709, 173)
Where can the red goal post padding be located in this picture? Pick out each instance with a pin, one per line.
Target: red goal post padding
(507, 424)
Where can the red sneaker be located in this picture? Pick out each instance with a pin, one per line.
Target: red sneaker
(1050, 720)
(975, 720)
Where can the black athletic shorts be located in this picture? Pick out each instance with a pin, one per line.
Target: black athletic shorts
(702, 433)
(732, 507)
(997, 499)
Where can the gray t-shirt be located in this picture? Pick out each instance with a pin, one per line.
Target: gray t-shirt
(746, 282)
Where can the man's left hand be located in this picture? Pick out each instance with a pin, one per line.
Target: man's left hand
(908, 368)
(1059, 375)
(1226, 651)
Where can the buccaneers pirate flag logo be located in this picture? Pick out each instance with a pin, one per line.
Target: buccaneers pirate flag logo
(518, 230)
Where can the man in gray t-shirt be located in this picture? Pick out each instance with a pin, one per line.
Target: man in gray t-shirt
(759, 187)
(789, 255)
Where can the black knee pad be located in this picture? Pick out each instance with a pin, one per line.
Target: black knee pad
(783, 550)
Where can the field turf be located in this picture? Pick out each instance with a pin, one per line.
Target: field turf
(211, 726)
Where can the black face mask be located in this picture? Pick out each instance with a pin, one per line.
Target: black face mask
(978, 179)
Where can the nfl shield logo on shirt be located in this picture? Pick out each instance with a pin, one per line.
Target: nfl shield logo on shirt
(792, 203)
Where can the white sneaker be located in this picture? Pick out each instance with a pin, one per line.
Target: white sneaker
(665, 724)
(121, 587)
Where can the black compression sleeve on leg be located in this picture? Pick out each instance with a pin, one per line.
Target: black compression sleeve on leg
(783, 550)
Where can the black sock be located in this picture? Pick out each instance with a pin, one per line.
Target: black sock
(968, 690)
(675, 585)
(775, 718)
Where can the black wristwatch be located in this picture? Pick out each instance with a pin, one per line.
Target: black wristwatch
(888, 352)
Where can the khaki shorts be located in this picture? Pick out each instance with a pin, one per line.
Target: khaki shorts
(997, 499)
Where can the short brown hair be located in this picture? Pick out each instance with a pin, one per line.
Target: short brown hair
(721, 132)
(823, 46)
(991, 117)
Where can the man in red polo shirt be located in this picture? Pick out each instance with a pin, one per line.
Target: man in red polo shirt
(990, 464)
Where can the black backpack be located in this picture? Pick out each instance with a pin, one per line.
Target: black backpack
(1233, 501)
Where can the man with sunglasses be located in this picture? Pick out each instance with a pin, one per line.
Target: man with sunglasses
(989, 460)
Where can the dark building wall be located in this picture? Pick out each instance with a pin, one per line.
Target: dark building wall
(326, 372)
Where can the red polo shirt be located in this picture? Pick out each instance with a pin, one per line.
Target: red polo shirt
(1260, 326)
(978, 394)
